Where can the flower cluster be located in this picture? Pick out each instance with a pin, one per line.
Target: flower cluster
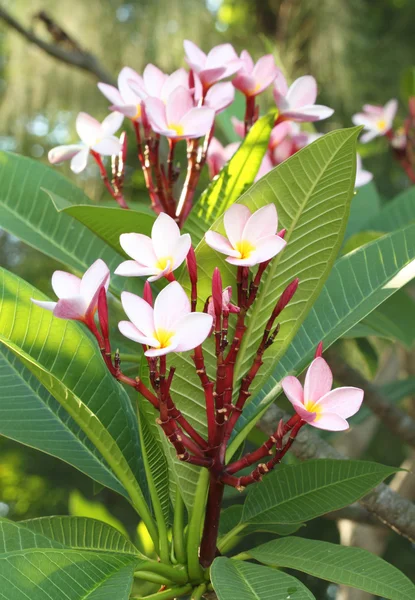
(173, 324)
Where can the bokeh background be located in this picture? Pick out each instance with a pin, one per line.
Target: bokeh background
(356, 49)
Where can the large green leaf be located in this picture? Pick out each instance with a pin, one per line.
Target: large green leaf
(344, 565)
(396, 214)
(68, 364)
(365, 206)
(28, 213)
(30, 415)
(301, 492)
(358, 283)
(232, 181)
(64, 559)
(234, 579)
(107, 222)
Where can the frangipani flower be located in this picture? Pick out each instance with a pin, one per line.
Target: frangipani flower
(218, 155)
(251, 238)
(157, 84)
(362, 177)
(252, 79)
(178, 118)
(78, 298)
(219, 96)
(124, 99)
(157, 256)
(227, 306)
(222, 61)
(316, 404)
(95, 136)
(377, 120)
(297, 103)
(169, 327)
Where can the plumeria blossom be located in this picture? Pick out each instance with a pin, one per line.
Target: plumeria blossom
(377, 120)
(297, 102)
(78, 298)
(157, 256)
(169, 327)
(219, 96)
(227, 306)
(157, 84)
(317, 404)
(124, 99)
(362, 177)
(218, 155)
(252, 79)
(95, 136)
(251, 238)
(222, 61)
(178, 118)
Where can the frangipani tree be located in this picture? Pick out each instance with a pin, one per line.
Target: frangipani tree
(243, 290)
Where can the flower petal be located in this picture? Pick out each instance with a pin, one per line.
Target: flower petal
(88, 128)
(368, 136)
(111, 92)
(111, 123)
(197, 121)
(343, 401)
(267, 248)
(262, 223)
(80, 160)
(126, 77)
(195, 57)
(108, 146)
(44, 304)
(181, 250)
(302, 92)
(192, 330)
(154, 80)
(220, 96)
(130, 331)
(178, 104)
(162, 351)
(165, 234)
(265, 71)
(140, 248)
(235, 220)
(131, 268)
(61, 153)
(97, 276)
(156, 114)
(247, 62)
(279, 133)
(170, 306)
(210, 76)
(330, 422)
(389, 111)
(280, 87)
(307, 114)
(220, 243)
(221, 55)
(179, 78)
(318, 380)
(66, 285)
(140, 313)
(71, 308)
(293, 389)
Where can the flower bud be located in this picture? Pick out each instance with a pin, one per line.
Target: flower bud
(192, 265)
(319, 350)
(217, 292)
(286, 296)
(103, 312)
(148, 294)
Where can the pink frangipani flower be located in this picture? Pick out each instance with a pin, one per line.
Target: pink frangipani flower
(251, 238)
(95, 136)
(78, 298)
(222, 61)
(178, 118)
(218, 155)
(168, 327)
(317, 404)
(157, 256)
(297, 103)
(156, 84)
(377, 120)
(124, 99)
(252, 79)
(362, 177)
(219, 96)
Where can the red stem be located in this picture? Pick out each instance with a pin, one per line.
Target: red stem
(118, 197)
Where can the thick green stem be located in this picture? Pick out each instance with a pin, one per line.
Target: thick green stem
(152, 577)
(199, 591)
(164, 551)
(178, 529)
(175, 575)
(170, 594)
(230, 539)
(194, 533)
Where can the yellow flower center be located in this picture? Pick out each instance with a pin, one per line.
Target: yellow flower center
(177, 128)
(138, 113)
(313, 408)
(381, 124)
(162, 263)
(254, 90)
(244, 248)
(163, 337)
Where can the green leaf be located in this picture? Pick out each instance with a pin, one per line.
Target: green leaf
(408, 84)
(231, 517)
(27, 213)
(106, 222)
(393, 319)
(64, 559)
(30, 415)
(365, 206)
(232, 181)
(79, 506)
(396, 214)
(233, 579)
(354, 567)
(301, 492)
(360, 239)
(68, 364)
(358, 283)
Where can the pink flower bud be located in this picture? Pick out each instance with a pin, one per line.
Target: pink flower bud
(319, 350)
(282, 233)
(192, 265)
(148, 294)
(217, 293)
(286, 296)
(103, 312)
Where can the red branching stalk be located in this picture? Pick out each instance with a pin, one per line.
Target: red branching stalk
(116, 192)
(147, 171)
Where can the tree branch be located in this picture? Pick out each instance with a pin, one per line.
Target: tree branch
(81, 59)
(388, 506)
(395, 419)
